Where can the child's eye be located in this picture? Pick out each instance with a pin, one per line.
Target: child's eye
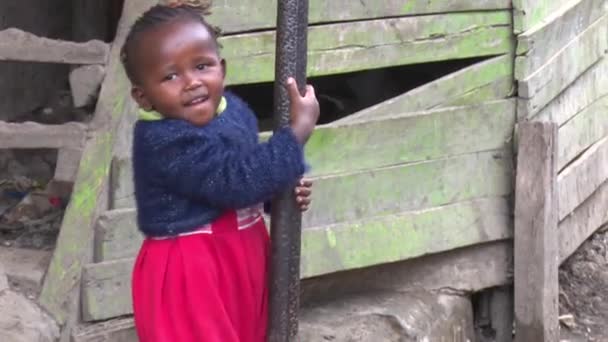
(170, 77)
(201, 66)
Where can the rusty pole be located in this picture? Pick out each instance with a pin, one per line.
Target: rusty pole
(286, 223)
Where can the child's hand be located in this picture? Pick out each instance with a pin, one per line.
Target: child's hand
(304, 110)
(303, 191)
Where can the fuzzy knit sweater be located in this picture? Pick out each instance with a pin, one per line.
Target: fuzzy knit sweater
(186, 176)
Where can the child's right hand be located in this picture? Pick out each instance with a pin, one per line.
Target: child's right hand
(304, 110)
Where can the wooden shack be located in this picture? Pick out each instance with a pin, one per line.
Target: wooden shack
(416, 191)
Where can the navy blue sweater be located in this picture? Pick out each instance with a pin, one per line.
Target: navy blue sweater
(186, 176)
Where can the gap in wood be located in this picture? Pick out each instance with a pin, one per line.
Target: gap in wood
(344, 94)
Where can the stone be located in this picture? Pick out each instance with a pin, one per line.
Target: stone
(23, 321)
(24, 267)
(390, 316)
(85, 82)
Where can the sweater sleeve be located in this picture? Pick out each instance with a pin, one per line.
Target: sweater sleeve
(224, 176)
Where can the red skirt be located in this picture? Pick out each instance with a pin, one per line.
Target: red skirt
(210, 286)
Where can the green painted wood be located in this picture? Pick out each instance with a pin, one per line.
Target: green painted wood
(244, 15)
(577, 227)
(74, 243)
(528, 13)
(346, 47)
(106, 285)
(456, 88)
(355, 196)
(410, 137)
(582, 131)
(536, 46)
(589, 87)
(403, 236)
(581, 178)
(538, 89)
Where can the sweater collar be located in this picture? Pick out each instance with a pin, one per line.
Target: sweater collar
(145, 115)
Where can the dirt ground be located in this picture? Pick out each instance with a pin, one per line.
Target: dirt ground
(584, 291)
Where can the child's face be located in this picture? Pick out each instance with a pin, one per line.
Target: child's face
(179, 72)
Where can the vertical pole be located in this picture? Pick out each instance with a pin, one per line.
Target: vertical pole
(536, 247)
(291, 49)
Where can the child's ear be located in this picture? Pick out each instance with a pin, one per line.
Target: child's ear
(224, 66)
(140, 97)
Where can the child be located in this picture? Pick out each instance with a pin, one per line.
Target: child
(200, 175)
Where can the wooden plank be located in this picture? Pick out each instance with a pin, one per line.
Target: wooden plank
(18, 45)
(538, 89)
(583, 222)
(74, 244)
(122, 191)
(468, 270)
(536, 244)
(106, 285)
(582, 131)
(346, 47)
(68, 160)
(502, 88)
(244, 15)
(391, 190)
(444, 91)
(35, 135)
(116, 330)
(528, 13)
(116, 235)
(579, 180)
(583, 92)
(536, 46)
(349, 197)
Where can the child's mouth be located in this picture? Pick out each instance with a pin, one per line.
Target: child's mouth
(196, 101)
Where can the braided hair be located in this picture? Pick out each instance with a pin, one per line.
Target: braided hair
(162, 14)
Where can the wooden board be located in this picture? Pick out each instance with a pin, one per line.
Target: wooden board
(582, 131)
(583, 177)
(346, 47)
(35, 135)
(358, 195)
(583, 222)
(408, 187)
(538, 45)
(453, 89)
(538, 89)
(17, 45)
(122, 191)
(245, 15)
(116, 330)
(106, 285)
(528, 13)
(89, 197)
(590, 86)
(536, 246)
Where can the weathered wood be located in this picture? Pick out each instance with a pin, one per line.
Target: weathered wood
(501, 313)
(106, 285)
(582, 131)
(536, 247)
(244, 15)
(502, 88)
(579, 95)
(117, 330)
(417, 186)
(445, 91)
(68, 160)
(583, 177)
(116, 235)
(583, 222)
(349, 197)
(74, 244)
(122, 191)
(538, 89)
(536, 46)
(35, 135)
(85, 82)
(340, 48)
(17, 45)
(528, 13)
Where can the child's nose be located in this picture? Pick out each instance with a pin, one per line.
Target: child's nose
(192, 82)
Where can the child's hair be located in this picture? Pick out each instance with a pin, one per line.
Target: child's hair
(162, 14)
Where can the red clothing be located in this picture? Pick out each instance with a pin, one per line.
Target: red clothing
(211, 286)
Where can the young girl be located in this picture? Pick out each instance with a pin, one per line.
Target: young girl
(200, 176)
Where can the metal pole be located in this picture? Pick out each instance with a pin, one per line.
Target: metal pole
(286, 223)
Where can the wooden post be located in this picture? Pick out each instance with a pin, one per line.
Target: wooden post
(536, 245)
(286, 223)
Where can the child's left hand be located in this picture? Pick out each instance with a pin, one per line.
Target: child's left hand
(303, 191)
